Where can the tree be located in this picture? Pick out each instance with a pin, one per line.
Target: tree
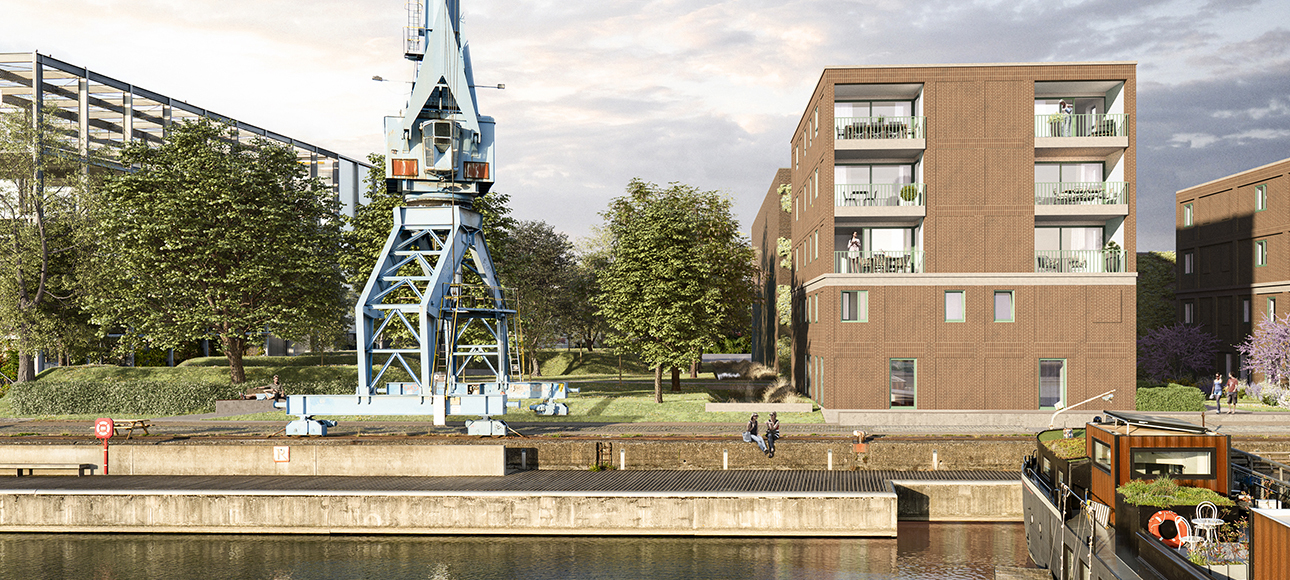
(582, 316)
(539, 269)
(45, 198)
(1267, 351)
(213, 237)
(680, 274)
(1174, 351)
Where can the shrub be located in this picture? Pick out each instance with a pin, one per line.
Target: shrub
(1072, 448)
(1166, 492)
(1173, 398)
(141, 397)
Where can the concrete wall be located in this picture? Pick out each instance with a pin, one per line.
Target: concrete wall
(959, 501)
(260, 459)
(770, 514)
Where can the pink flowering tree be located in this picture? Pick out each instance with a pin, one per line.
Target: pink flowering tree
(1174, 351)
(1267, 351)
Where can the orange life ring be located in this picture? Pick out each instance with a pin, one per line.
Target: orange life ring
(1180, 523)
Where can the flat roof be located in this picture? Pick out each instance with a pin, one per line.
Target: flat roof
(1238, 174)
(1165, 424)
(985, 64)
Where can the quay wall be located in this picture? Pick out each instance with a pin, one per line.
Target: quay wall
(958, 501)
(509, 513)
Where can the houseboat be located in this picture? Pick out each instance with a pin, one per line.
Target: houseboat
(1133, 496)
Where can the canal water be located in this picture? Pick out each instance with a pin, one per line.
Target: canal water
(922, 551)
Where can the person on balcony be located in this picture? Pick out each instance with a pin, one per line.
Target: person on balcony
(853, 252)
(1067, 110)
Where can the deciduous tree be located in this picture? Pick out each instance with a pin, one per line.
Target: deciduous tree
(1174, 351)
(680, 275)
(1267, 351)
(539, 268)
(210, 236)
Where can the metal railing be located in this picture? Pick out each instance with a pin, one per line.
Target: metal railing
(878, 194)
(879, 127)
(1090, 125)
(1080, 261)
(1080, 193)
(878, 262)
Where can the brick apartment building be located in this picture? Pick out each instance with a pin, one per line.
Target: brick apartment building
(995, 266)
(1231, 244)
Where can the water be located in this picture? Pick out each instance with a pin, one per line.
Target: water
(930, 551)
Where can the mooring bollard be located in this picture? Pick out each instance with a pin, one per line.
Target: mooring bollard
(935, 461)
(830, 460)
(622, 459)
(725, 459)
(524, 459)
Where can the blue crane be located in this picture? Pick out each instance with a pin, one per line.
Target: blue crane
(433, 302)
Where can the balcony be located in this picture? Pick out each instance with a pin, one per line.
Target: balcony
(878, 195)
(878, 262)
(1079, 261)
(1081, 193)
(880, 137)
(1096, 133)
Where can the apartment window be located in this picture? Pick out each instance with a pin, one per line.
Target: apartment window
(1260, 197)
(1261, 253)
(797, 209)
(1052, 383)
(797, 257)
(855, 306)
(1188, 216)
(954, 310)
(815, 308)
(815, 184)
(815, 122)
(1189, 313)
(815, 246)
(797, 161)
(1189, 265)
(903, 375)
(1003, 306)
(1272, 307)
(1245, 310)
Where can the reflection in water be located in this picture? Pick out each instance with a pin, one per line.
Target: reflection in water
(930, 551)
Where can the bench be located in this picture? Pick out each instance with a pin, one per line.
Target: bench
(30, 467)
(129, 425)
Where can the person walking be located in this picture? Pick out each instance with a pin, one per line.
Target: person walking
(750, 435)
(1217, 392)
(1232, 387)
(772, 433)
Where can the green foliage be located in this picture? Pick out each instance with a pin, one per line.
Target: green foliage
(215, 237)
(681, 274)
(1073, 448)
(1166, 493)
(1173, 398)
(785, 197)
(540, 268)
(576, 363)
(143, 398)
(909, 192)
(1156, 282)
(784, 247)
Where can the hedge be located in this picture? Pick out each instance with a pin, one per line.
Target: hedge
(143, 397)
(1172, 398)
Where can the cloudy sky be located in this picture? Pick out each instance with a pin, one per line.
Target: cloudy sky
(701, 92)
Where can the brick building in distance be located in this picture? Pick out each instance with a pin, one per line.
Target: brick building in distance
(994, 257)
(1231, 245)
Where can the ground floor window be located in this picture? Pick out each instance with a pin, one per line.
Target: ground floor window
(903, 378)
(1052, 383)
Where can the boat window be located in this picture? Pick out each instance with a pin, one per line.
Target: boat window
(1153, 463)
(1102, 454)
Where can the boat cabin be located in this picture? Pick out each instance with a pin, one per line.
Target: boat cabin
(1133, 446)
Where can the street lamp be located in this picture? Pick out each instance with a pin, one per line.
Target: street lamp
(1107, 396)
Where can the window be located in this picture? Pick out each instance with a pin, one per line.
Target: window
(815, 308)
(954, 311)
(797, 257)
(815, 184)
(855, 306)
(1101, 454)
(1189, 312)
(1272, 307)
(815, 122)
(1261, 253)
(797, 213)
(1003, 306)
(1189, 263)
(1245, 310)
(815, 246)
(903, 377)
(1052, 383)
(1175, 463)
(1260, 197)
(1188, 216)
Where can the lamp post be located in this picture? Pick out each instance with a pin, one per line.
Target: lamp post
(1107, 396)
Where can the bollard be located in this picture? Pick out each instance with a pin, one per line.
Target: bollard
(935, 461)
(725, 459)
(622, 458)
(830, 460)
(524, 459)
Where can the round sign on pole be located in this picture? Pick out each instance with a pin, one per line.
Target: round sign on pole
(104, 428)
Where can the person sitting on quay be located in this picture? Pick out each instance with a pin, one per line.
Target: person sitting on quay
(772, 433)
(750, 435)
(271, 391)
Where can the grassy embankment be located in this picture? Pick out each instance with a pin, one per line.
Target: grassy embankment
(596, 374)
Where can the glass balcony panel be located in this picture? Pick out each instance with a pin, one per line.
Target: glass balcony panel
(878, 194)
(1082, 125)
(1079, 192)
(879, 127)
(1079, 261)
(908, 261)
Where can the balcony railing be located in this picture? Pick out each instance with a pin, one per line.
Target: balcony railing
(879, 127)
(1086, 261)
(878, 262)
(878, 194)
(1080, 192)
(1092, 125)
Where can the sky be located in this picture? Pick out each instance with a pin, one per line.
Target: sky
(705, 93)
